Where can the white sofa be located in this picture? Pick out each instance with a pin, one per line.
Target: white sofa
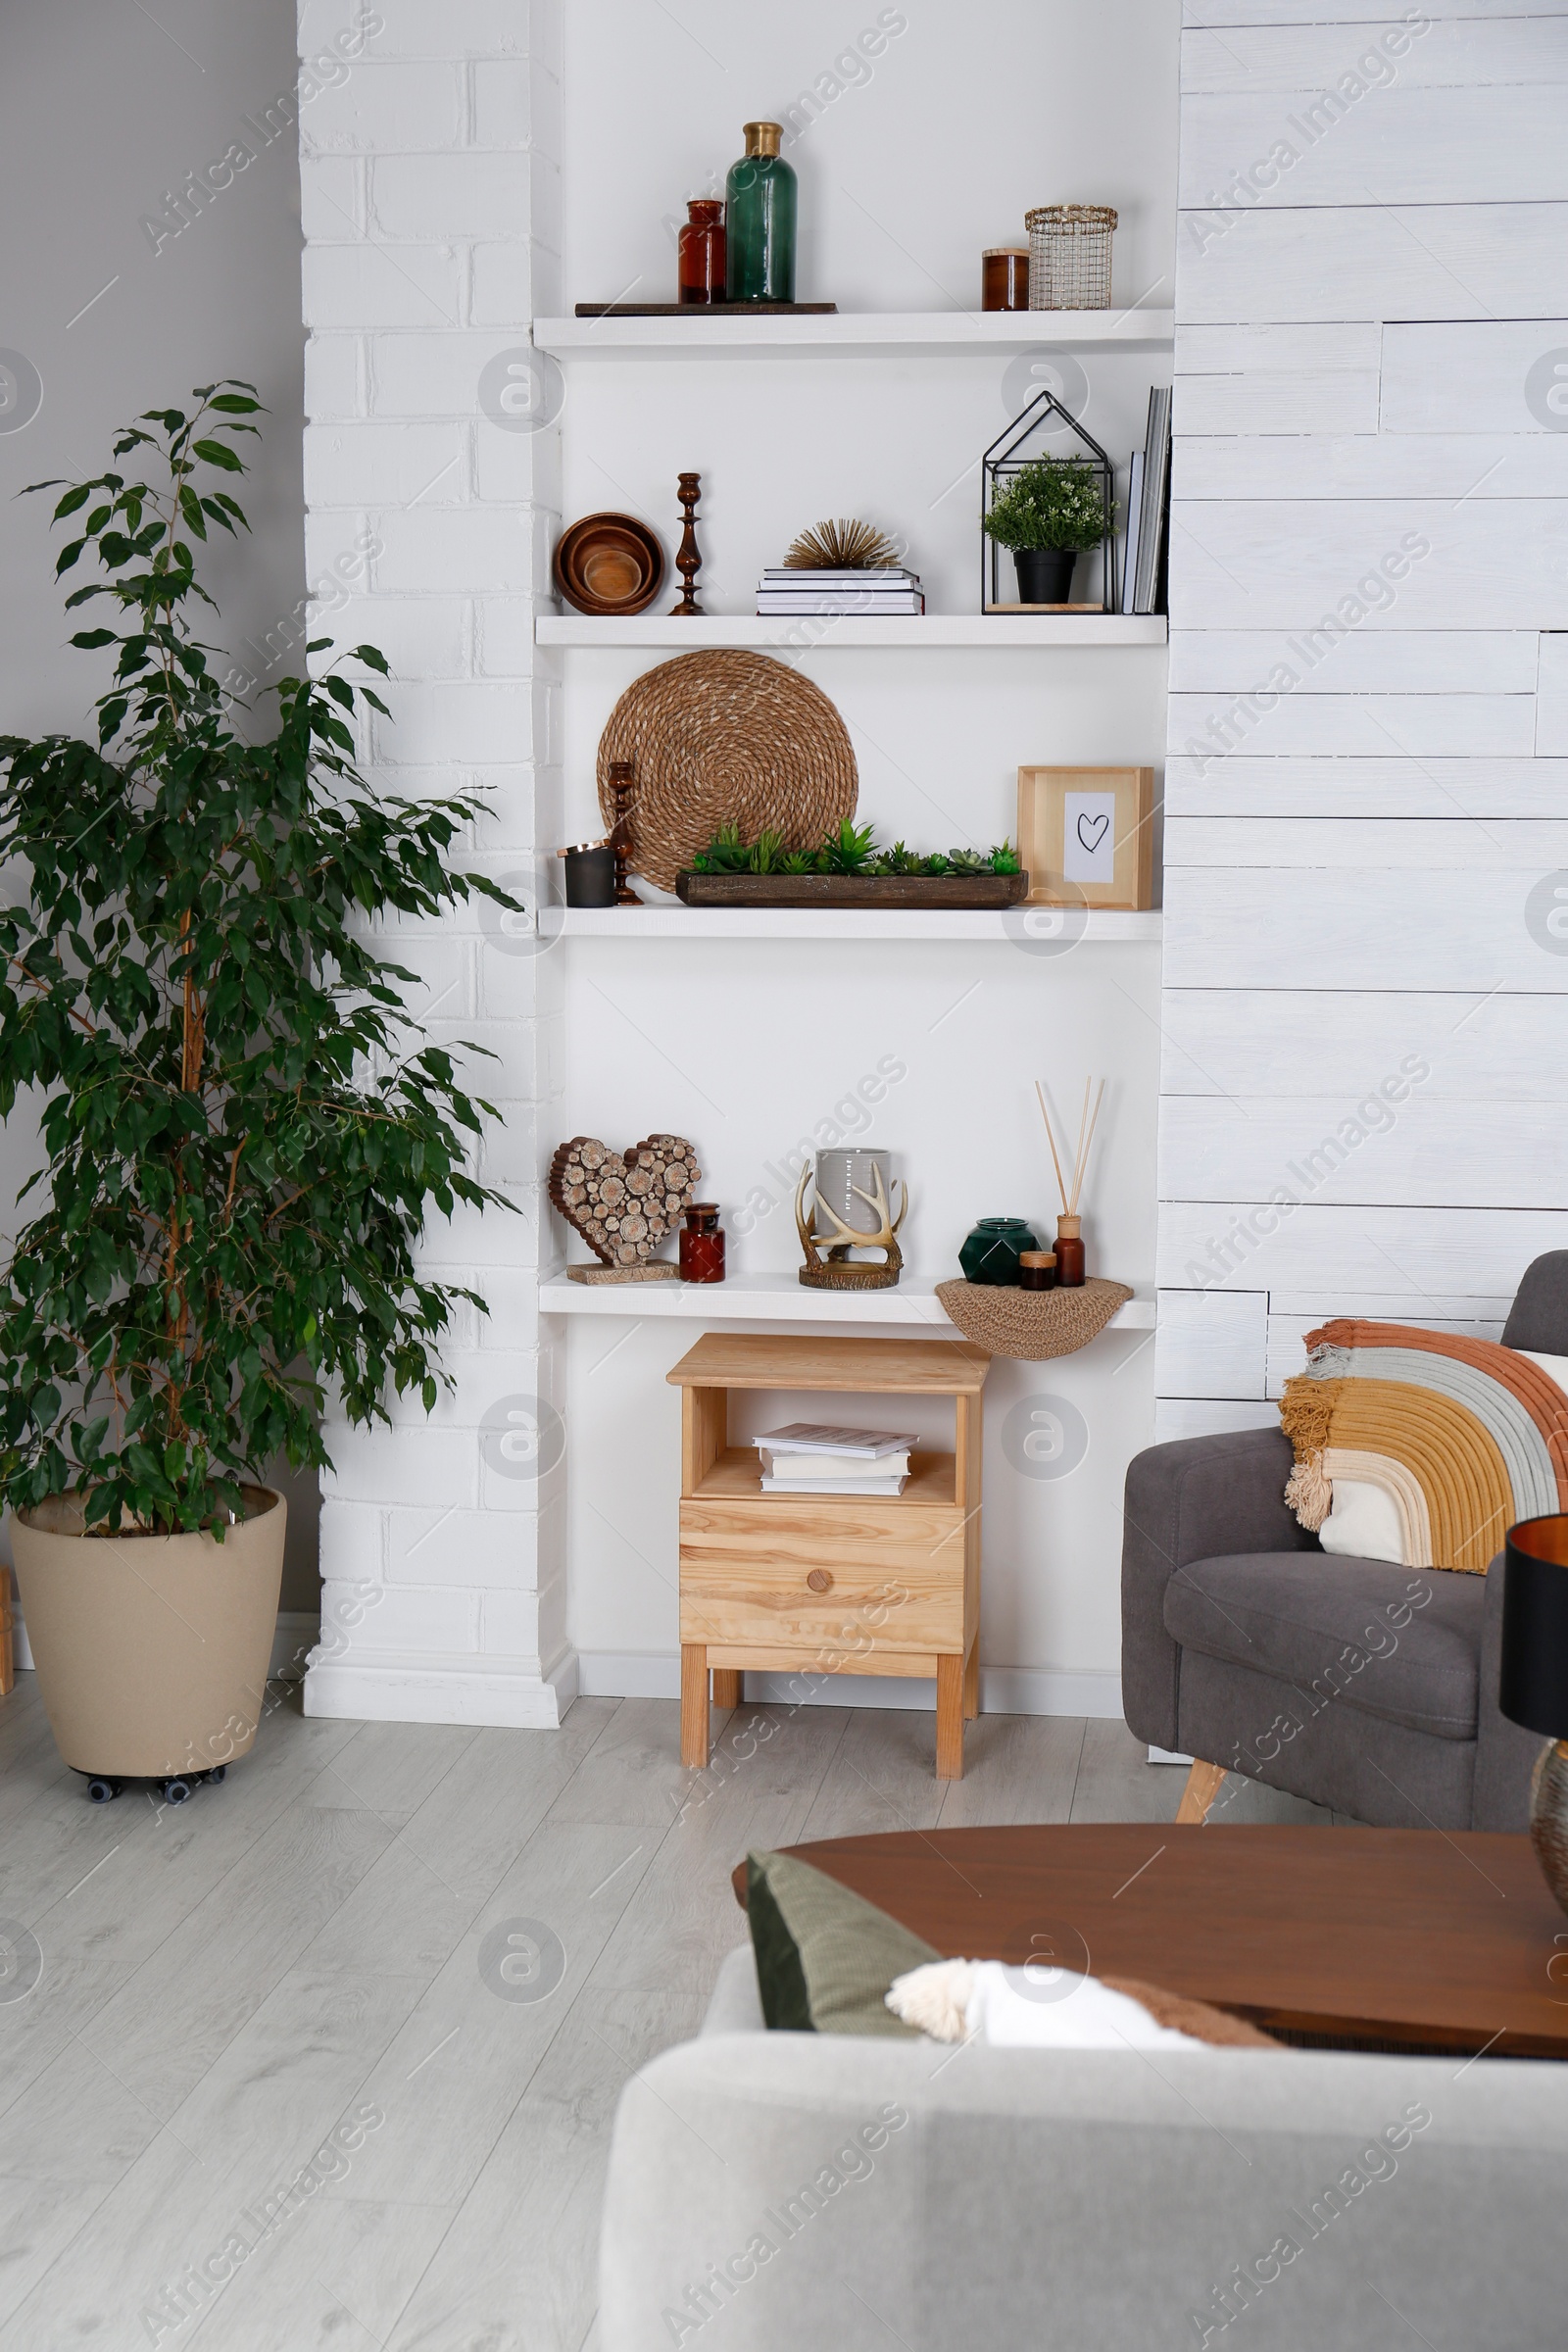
(795, 2192)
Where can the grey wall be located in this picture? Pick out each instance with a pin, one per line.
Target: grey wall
(103, 111)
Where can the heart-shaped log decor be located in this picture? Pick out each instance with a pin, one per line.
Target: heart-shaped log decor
(623, 1204)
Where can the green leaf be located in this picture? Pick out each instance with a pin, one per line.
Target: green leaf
(216, 453)
(73, 498)
(210, 1253)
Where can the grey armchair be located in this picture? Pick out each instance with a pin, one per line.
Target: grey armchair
(1368, 1688)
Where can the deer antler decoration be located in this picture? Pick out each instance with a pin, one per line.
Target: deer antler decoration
(838, 1271)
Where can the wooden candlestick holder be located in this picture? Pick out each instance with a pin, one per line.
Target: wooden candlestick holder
(689, 562)
(620, 792)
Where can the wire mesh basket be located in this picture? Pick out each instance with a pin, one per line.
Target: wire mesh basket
(1069, 256)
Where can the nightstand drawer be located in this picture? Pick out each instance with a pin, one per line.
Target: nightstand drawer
(764, 1595)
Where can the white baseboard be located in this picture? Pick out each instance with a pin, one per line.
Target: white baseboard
(297, 1632)
(1167, 1755)
(1003, 1690)
(628, 1674)
(415, 1690)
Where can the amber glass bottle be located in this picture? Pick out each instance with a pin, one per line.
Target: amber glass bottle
(1070, 1254)
(702, 1244)
(700, 247)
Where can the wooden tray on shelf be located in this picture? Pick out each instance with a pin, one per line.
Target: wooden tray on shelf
(702, 310)
(953, 891)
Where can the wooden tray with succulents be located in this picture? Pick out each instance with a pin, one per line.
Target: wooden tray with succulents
(848, 870)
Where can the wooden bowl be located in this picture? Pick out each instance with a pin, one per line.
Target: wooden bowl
(609, 563)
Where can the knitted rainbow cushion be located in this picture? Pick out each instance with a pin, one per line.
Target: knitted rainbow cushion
(1464, 1435)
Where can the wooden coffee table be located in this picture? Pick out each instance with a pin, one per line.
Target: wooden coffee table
(1408, 1939)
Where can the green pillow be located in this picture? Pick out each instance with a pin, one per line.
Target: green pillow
(824, 1956)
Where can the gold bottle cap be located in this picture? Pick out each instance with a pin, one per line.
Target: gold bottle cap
(763, 138)
(1067, 1228)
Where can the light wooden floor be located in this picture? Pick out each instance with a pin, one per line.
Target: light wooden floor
(223, 1983)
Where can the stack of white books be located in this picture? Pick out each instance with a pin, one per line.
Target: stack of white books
(888, 589)
(811, 1457)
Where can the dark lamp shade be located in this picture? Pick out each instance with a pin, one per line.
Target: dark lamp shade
(1534, 1686)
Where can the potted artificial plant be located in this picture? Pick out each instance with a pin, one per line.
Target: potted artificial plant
(1048, 513)
(243, 1133)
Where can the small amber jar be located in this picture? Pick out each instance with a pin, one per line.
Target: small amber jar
(702, 1244)
(1036, 1270)
(1004, 277)
(1070, 1254)
(700, 250)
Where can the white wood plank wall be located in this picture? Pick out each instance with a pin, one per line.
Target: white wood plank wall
(1365, 1055)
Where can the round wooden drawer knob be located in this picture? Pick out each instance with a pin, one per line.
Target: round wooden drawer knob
(820, 1581)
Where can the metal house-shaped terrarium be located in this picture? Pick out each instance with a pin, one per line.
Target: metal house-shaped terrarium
(1012, 450)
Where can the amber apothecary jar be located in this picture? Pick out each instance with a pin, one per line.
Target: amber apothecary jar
(702, 1244)
(700, 250)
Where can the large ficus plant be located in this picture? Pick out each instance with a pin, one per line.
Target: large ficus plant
(244, 1130)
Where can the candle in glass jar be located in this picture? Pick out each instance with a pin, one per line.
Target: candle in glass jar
(1004, 277)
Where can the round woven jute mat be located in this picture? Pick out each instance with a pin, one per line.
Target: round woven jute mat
(1032, 1323)
(725, 738)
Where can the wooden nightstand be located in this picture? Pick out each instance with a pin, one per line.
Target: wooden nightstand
(828, 1584)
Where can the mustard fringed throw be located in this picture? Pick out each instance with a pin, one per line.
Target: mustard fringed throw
(1466, 1436)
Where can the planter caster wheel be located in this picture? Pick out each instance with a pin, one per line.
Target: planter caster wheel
(101, 1789)
(215, 1778)
(174, 1793)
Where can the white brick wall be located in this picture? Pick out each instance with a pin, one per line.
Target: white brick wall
(431, 201)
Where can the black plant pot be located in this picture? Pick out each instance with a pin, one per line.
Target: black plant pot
(1045, 573)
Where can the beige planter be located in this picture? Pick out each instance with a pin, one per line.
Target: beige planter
(152, 1651)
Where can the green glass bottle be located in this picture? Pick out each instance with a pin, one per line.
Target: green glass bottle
(760, 221)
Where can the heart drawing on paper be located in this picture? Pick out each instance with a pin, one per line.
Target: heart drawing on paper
(1091, 830)
(623, 1204)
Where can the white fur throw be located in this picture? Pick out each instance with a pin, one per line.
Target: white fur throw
(1025, 2008)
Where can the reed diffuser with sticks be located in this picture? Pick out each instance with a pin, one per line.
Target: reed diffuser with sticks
(1069, 1230)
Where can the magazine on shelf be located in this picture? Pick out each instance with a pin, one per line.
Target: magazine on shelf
(1134, 500)
(790, 1469)
(1152, 507)
(866, 1486)
(803, 575)
(868, 607)
(825, 1437)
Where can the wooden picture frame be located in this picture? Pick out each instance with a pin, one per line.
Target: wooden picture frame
(1085, 836)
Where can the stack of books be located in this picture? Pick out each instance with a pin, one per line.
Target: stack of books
(811, 1457)
(1142, 580)
(891, 589)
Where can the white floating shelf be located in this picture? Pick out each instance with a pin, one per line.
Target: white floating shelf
(898, 333)
(776, 1299)
(1030, 929)
(828, 632)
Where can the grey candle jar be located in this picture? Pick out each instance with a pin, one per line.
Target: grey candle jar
(842, 1178)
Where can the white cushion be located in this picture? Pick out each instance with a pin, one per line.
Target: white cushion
(1054, 2009)
(1038, 2007)
(1555, 1368)
(1363, 1523)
